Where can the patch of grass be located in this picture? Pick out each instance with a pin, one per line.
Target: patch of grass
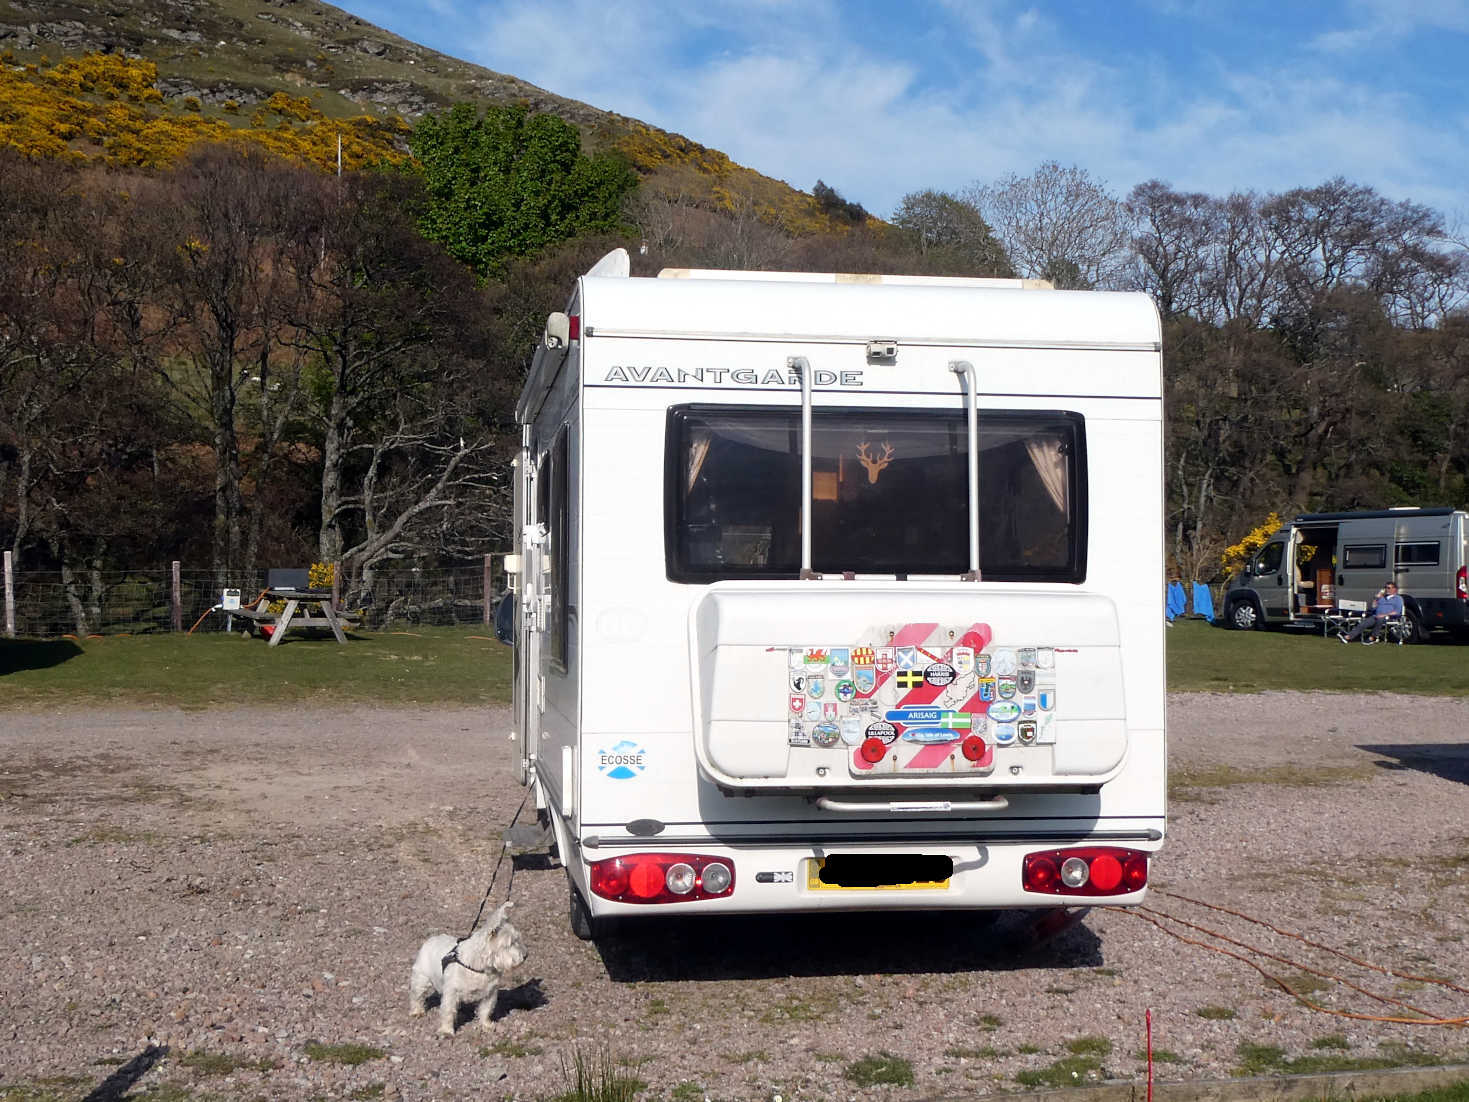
(431, 666)
(1216, 1013)
(55, 1088)
(1184, 781)
(596, 1078)
(1069, 1071)
(510, 1048)
(372, 1090)
(657, 1007)
(884, 1068)
(1332, 1040)
(348, 1054)
(793, 1009)
(988, 1052)
(1202, 658)
(1269, 1060)
(1028, 1050)
(1302, 983)
(1060, 991)
(1160, 1056)
(214, 1063)
(106, 834)
(989, 1022)
(1089, 1046)
(688, 1092)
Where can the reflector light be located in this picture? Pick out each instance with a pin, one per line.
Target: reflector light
(874, 750)
(1040, 874)
(973, 748)
(575, 326)
(680, 878)
(1085, 870)
(660, 877)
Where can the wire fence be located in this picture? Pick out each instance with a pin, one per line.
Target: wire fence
(42, 604)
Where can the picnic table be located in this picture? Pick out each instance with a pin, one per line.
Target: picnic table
(297, 613)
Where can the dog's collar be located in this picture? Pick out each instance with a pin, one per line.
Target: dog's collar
(452, 957)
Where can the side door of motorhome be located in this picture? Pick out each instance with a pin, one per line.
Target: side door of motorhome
(1423, 558)
(1364, 558)
(531, 600)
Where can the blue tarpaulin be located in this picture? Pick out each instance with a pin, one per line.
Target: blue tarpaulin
(1203, 602)
(1177, 601)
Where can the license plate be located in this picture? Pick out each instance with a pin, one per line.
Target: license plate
(884, 872)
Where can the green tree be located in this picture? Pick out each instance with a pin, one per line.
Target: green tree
(508, 183)
(944, 224)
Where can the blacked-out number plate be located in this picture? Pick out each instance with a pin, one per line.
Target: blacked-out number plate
(879, 871)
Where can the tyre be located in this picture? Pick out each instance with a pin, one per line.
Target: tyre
(1416, 632)
(583, 925)
(1244, 616)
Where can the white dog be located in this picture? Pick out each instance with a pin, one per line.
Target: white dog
(468, 971)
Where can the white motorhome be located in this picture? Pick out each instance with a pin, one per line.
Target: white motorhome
(826, 595)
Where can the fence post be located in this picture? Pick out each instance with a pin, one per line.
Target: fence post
(9, 595)
(489, 595)
(336, 585)
(178, 598)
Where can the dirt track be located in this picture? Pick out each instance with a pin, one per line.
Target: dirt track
(240, 883)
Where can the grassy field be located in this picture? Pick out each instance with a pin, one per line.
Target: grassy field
(426, 666)
(1201, 657)
(458, 666)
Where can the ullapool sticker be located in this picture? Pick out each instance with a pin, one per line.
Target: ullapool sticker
(623, 762)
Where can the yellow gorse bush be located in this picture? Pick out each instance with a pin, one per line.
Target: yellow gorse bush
(1235, 556)
(108, 107)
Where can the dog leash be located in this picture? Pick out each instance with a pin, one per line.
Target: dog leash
(452, 956)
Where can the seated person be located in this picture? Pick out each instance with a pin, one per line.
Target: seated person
(1386, 606)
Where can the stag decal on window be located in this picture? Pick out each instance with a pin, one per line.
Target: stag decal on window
(874, 465)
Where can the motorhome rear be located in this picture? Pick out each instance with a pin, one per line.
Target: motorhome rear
(827, 593)
(1320, 560)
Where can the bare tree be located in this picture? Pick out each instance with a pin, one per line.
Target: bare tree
(1058, 224)
(398, 334)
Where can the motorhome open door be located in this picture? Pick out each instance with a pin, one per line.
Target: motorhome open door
(533, 601)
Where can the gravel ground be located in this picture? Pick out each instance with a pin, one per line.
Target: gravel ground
(238, 883)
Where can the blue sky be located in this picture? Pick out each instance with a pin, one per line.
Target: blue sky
(879, 99)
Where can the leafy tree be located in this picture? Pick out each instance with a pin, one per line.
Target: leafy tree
(953, 228)
(830, 202)
(507, 183)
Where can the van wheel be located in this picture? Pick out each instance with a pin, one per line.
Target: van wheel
(583, 925)
(1244, 616)
(1417, 633)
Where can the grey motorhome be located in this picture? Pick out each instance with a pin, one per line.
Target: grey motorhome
(1319, 560)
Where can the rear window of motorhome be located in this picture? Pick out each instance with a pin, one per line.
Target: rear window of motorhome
(1364, 556)
(889, 489)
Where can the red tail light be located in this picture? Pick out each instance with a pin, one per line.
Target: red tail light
(661, 877)
(1461, 582)
(573, 327)
(1089, 870)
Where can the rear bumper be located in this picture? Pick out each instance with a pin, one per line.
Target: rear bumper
(777, 878)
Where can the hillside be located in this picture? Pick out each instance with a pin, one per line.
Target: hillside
(227, 58)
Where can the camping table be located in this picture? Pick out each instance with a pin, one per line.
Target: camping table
(297, 613)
